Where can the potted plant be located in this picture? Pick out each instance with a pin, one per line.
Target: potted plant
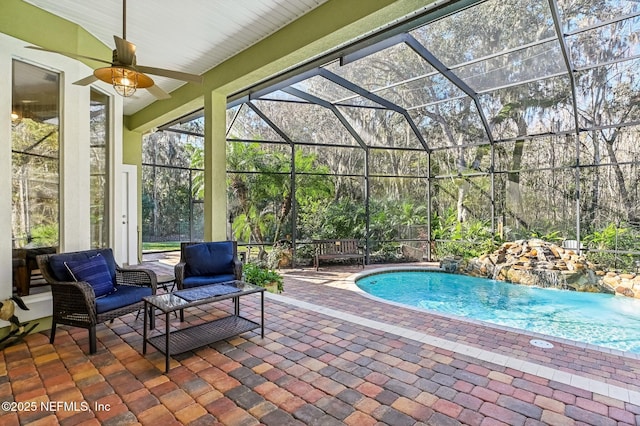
(263, 277)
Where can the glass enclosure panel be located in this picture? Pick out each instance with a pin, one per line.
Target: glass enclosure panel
(606, 94)
(250, 126)
(384, 69)
(605, 44)
(330, 160)
(193, 125)
(293, 119)
(166, 201)
(258, 157)
(490, 27)
(536, 153)
(337, 210)
(231, 115)
(99, 127)
(197, 221)
(35, 151)
(467, 197)
(461, 215)
(536, 203)
(279, 95)
(450, 124)
(259, 191)
(542, 106)
(578, 15)
(610, 195)
(172, 187)
(382, 128)
(396, 203)
(331, 92)
(173, 149)
(398, 209)
(398, 163)
(197, 185)
(539, 61)
(610, 146)
(422, 91)
(462, 160)
(259, 206)
(610, 213)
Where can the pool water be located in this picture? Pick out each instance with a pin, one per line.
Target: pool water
(599, 319)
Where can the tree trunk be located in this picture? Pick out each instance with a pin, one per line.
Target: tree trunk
(463, 212)
(590, 214)
(627, 203)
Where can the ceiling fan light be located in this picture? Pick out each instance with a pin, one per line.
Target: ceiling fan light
(124, 81)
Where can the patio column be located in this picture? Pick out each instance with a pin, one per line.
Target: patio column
(215, 167)
(6, 242)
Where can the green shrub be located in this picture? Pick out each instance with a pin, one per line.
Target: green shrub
(257, 275)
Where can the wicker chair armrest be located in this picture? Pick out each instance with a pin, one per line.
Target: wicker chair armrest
(237, 268)
(77, 297)
(178, 271)
(137, 277)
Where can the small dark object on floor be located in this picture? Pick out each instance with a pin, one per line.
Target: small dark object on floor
(18, 330)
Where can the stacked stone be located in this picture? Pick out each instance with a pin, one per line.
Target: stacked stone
(540, 263)
(624, 284)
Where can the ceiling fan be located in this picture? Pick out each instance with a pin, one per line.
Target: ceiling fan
(123, 72)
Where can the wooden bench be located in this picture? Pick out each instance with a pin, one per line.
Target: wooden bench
(338, 249)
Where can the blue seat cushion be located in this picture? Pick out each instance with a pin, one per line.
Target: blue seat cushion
(94, 271)
(190, 282)
(60, 271)
(212, 258)
(124, 295)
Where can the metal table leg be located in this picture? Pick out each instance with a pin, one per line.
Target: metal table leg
(166, 352)
(144, 330)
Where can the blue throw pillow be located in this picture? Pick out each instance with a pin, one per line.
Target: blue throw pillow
(94, 271)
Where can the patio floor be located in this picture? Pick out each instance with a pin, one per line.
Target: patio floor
(329, 356)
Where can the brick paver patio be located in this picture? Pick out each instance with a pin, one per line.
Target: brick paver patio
(329, 356)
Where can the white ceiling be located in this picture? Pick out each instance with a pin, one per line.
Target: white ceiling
(188, 35)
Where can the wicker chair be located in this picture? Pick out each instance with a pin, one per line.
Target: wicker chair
(75, 303)
(208, 263)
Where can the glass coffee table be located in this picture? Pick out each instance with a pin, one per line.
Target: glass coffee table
(189, 338)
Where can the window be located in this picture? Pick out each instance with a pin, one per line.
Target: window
(99, 161)
(35, 120)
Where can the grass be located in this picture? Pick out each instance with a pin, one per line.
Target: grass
(160, 246)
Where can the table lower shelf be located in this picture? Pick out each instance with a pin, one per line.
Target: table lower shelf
(196, 336)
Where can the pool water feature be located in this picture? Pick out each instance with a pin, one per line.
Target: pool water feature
(595, 318)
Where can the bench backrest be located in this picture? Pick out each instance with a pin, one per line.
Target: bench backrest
(337, 246)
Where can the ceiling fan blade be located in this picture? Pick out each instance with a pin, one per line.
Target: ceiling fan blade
(86, 81)
(69, 54)
(126, 51)
(158, 93)
(178, 75)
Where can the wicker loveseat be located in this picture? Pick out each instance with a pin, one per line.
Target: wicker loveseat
(75, 302)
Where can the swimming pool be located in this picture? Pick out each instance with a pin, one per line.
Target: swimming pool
(600, 319)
